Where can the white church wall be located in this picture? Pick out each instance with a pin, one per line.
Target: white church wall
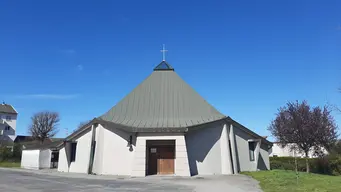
(242, 145)
(30, 159)
(120, 159)
(98, 157)
(62, 161)
(181, 161)
(204, 150)
(45, 159)
(81, 163)
(226, 160)
(264, 162)
(243, 156)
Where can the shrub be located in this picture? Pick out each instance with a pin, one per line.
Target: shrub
(5, 153)
(11, 154)
(17, 150)
(334, 164)
(288, 163)
(330, 164)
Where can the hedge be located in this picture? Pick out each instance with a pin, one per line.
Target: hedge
(330, 164)
(9, 154)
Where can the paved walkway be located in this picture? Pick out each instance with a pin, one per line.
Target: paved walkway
(19, 180)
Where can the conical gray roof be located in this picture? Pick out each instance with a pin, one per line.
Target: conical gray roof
(163, 100)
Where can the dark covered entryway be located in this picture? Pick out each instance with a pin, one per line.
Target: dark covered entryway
(54, 159)
(160, 157)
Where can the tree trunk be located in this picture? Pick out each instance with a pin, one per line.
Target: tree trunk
(307, 162)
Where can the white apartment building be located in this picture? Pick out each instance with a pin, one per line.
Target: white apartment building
(278, 151)
(8, 122)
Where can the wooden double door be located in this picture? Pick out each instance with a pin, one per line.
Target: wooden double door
(161, 160)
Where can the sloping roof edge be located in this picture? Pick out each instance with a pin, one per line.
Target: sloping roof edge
(80, 130)
(122, 127)
(242, 127)
(52, 146)
(7, 108)
(130, 129)
(160, 130)
(229, 120)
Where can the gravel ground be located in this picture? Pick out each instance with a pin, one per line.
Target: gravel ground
(19, 180)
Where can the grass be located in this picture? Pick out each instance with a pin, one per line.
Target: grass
(285, 181)
(9, 164)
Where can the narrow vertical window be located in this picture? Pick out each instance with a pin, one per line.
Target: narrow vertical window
(73, 152)
(252, 151)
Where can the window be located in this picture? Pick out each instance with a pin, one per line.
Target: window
(8, 118)
(73, 152)
(152, 150)
(7, 128)
(252, 150)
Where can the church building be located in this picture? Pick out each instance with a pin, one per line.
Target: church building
(163, 127)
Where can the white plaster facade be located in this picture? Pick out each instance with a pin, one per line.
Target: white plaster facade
(216, 148)
(8, 125)
(30, 159)
(181, 160)
(205, 150)
(119, 160)
(36, 159)
(114, 156)
(62, 161)
(45, 159)
(224, 149)
(261, 161)
(279, 151)
(81, 164)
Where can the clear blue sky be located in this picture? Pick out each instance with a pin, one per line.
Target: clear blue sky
(246, 58)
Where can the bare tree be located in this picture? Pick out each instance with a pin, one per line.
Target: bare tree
(44, 125)
(81, 124)
(309, 128)
(337, 108)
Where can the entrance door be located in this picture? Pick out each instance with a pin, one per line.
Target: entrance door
(160, 155)
(165, 160)
(152, 161)
(54, 159)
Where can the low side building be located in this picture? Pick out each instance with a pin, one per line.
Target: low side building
(40, 156)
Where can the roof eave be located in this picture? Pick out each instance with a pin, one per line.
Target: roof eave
(134, 129)
(230, 120)
(142, 129)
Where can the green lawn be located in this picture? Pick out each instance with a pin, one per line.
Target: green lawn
(280, 180)
(9, 164)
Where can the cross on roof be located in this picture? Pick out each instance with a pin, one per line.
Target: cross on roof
(163, 53)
